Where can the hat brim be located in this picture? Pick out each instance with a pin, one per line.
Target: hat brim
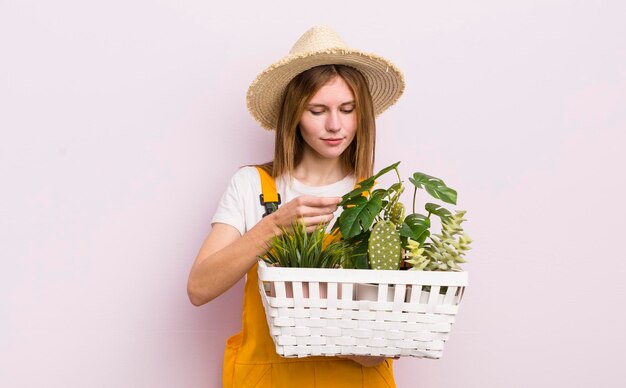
(385, 81)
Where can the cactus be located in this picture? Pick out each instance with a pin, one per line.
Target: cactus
(397, 214)
(375, 219)
(385, 247)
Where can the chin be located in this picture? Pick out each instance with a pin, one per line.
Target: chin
(328, 152)
(329, 155)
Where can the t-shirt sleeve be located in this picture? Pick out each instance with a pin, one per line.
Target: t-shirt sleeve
(231, 209)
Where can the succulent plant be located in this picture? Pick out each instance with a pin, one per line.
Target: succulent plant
(445, 251)
(369, 216)
(385, 247)
(415, 255)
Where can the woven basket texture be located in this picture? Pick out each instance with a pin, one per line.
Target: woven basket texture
(329, 312)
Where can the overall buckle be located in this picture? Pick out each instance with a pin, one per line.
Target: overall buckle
(270, 207)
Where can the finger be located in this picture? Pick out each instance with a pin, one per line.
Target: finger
(316, 222)
(307, 211)
(320, 201)
(311, 229)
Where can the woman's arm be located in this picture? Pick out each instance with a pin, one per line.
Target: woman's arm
(225, 255)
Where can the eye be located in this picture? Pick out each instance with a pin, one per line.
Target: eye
(316, 112)
(348, 110)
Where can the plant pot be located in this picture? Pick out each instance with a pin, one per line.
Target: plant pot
(322, 289)
(369, 291)
(424, 296)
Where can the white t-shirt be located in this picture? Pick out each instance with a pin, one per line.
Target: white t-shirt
(240, 205)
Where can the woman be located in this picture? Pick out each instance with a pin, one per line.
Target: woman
(321, 99)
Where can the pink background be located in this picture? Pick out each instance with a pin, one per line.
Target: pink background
(122, 121)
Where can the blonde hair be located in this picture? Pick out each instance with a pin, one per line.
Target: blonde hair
(358, 158)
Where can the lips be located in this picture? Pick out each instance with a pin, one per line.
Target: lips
(333, 142)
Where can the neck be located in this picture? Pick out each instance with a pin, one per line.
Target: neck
(316, 171)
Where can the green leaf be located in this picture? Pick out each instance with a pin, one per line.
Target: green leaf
(396, 187)
(416, 227)
(296, 248)
(385, 170)
(434, 186)
(438, 210)
(360, 217)
(356, 201)
(356, 193)
(358, 244)
(379, 193)
(359, 212)
(367, 184)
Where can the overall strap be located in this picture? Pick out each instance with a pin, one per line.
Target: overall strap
(269, 198)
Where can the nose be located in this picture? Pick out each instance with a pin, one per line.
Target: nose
(333, 122)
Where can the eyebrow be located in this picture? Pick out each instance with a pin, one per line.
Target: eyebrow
(324, 106)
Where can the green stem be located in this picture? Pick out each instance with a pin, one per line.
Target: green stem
(397, 194)
(414, 195)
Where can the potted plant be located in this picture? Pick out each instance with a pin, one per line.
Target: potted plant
(295, 248)
(352, 278)
(371, 217)
(382, 237)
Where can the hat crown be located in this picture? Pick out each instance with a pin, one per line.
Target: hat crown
(317, 38)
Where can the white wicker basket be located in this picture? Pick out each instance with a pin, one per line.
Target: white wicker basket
(313, 312)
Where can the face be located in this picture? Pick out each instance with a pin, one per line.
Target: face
(328, 124)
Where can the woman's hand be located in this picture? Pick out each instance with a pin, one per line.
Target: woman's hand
(367, 361)
(310, 210)
(225, 255)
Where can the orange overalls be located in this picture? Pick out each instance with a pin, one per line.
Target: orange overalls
(250, 358)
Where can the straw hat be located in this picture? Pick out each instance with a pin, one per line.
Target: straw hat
(321, 46)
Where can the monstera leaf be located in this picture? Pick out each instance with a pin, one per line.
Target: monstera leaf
(434, 186)
(415, 227)
(359, 255)
(366, 185)
(358, 215)
(438, 210)
(360, 210)
(396, 188)
(364, 208)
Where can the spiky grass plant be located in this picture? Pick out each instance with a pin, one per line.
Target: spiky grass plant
(445, 251)
(297, 248)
